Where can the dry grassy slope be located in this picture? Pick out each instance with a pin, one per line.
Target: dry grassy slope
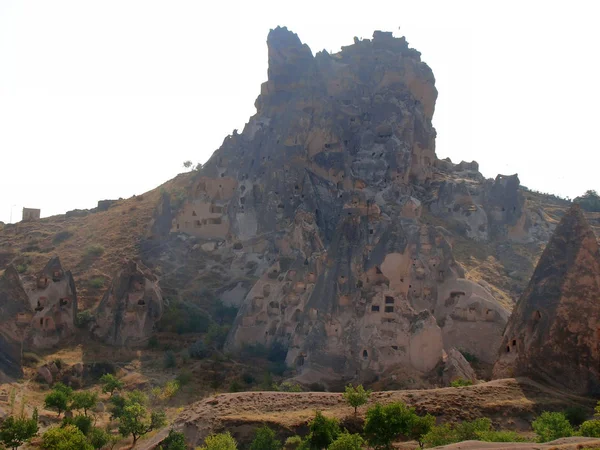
(118, 231)
(510, 403)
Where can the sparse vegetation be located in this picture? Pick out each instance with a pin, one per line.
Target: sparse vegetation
(61, 236)
(83, 318)
(97, 282)
(22, 268)
(461, 382)
(94, 250)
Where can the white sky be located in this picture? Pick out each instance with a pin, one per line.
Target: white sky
(106, 99)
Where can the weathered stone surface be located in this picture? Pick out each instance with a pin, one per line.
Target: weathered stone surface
(15, 318)
(457, 367)
(45, 374)
(553, 332)
(128, 312)
(54, 301)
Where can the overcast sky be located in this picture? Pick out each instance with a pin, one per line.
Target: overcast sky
(106, 99)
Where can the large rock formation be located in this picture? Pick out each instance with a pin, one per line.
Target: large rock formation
(554, 331)
(15, 318)
(54, 301)
(128, 312)
(321, 196)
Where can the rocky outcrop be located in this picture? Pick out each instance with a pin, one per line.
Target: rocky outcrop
(128, 312)
(456, 367)
(15, 318)
(54, 301)
(322, 196)
(554, 333)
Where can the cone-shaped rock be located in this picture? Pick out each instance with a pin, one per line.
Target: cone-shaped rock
(554, 331)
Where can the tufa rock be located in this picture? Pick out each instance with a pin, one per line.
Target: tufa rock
(457, 367)
(553, 332)
(130, 308)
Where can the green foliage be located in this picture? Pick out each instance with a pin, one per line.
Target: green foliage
(96, 282)
(84, 318)
(216, 335)
(293, 442)
(94, 250)
(356, 396)
(468, 430)
(461, 382)
(222, 441)
(169, 359)
(174, 441)
(322, 432)
(419, 426)
(500, 436)
(182, 317)
(84, 400)
(59, 398)
(61, 236)
(68, 437)
(15, 431)
(134, 420)
(264, 439)
(110, 384)
(383, 424)
(347, 441)
(552, 425)
(83, 423)
(440, 435)
(287, 386)
(590, 201)
(99, 438)
(471, 358)
(590, 428)
(447, 434)
(198, 350)
(22, 268)
(118, 402)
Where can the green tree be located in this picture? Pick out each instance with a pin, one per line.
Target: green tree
(134, 421)
(59, 398)
(84, 400)
(468, 430)
(552, 425)
(264, 439)
(222, 441)
(68, 437)
(99, 438)
(110, 384)
(356, 396)
(322, 432)
(118, 402)
(590, 201)
(347, 441)
(187, 164)
(15, 431)
(440, 435)
(174, 441)
(83, 423)
(419, 426)
(383, 424)
(590, 428)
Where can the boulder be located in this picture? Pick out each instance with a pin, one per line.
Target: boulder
(45, 374)
(457, 367)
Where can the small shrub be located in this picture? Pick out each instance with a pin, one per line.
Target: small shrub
(264, 439)
(96, 282)
(347, 441)
(288, 386)
(500, 436)
(440, 435)
(170, 360)
(419, 427)
(94, 250)
(222, 441)
(22, 268)
(292, 443)
(198, 350)
(184, 377)
(552, 425)
(322, 432)
(83, 318)
(575, 415)
(467, 430)
(61, 236)
(235, 386)
(461, 382)
(590, 428)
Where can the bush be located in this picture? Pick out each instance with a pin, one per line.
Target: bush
(184, 377)
(322, 432)
(22, 268)
(222, 441)
(288, 386)
(198, 350)
(83, 423)
(590, 428)
(174, 441)
(440, 435)
(94, 250)
(68, 437)
(383, 424)
(96, 282)
(575, 415)
(347, 441)
(356, 396)
(293, 442)
(99, 438)
(466, 430)
(61, 236)
(264, 439)
(169, 360)
(552, 425)
(500, 436)
(461, 382)
(235, 386)
(83, 318)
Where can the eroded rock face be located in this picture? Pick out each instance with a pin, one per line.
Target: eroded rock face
(554, 333)
(15, 318)
(457, 367)
(325, 187)
(54, 302)
(128, 312)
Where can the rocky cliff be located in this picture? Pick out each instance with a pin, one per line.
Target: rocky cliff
(553, 333)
